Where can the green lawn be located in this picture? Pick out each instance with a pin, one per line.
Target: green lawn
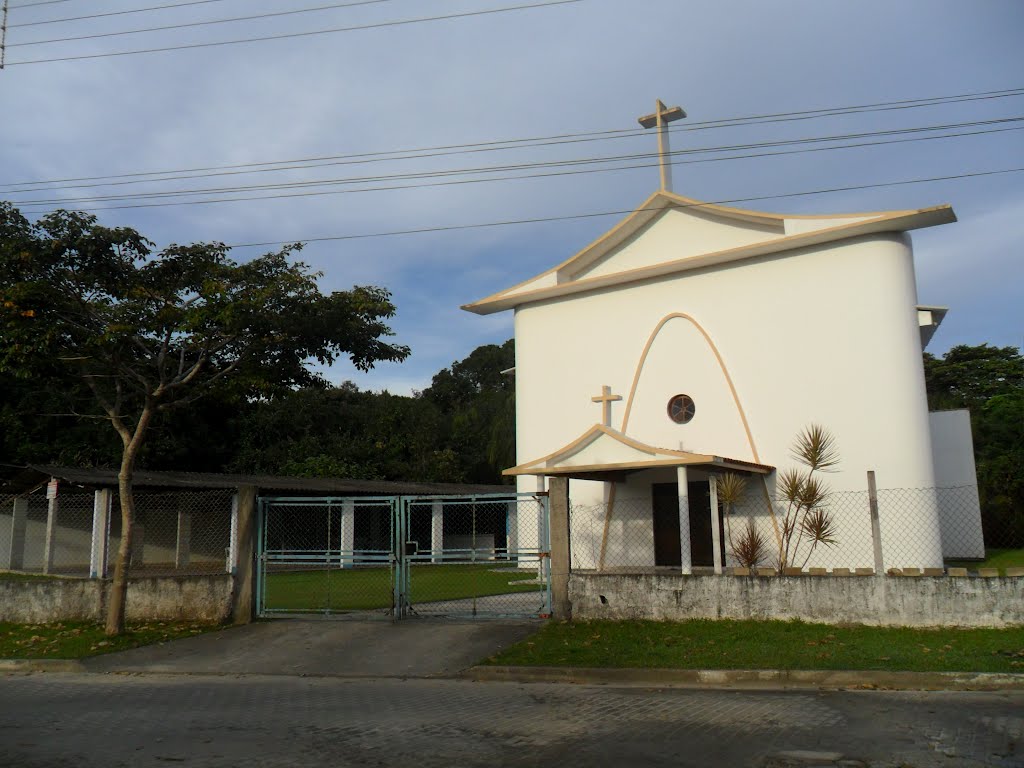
(994, 558)
(702, 644)
(357, 589)
(78, 639)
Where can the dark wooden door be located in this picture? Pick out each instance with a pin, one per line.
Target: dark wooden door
(701, 548)
(665, 503)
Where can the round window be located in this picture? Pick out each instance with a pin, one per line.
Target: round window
(681, 409)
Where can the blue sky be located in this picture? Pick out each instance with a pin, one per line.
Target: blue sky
(584, 66)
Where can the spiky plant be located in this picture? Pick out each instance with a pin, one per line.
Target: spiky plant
(730, 490)
(806, 497)
(751, 547)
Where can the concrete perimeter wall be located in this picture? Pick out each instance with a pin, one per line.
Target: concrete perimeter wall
(921, 601)
(189, 598)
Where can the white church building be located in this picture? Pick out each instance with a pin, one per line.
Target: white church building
(694, 339)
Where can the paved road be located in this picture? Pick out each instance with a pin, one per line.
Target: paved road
(109, 721)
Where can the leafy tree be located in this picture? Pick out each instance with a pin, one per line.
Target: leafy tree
(479, 401)
(990, 382)
(148, 332)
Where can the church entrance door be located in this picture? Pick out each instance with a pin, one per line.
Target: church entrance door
(665, 503)
(665, 506)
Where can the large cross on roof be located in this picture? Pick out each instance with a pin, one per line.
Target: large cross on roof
(661, 117)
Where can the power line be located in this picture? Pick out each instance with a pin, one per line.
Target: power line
(200, 23)
(311, 33)
(426, 175)
(515, 143)
(41, 2)
(624, 212)
(111, 13)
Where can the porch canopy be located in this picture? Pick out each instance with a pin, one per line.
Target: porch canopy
(602, 453)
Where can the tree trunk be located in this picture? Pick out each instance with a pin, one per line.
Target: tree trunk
(117, 597)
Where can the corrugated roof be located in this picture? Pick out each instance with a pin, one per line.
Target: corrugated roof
(17, 480)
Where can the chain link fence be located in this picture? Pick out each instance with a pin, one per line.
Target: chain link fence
(402, 556)
(921, 528)
(78, 533)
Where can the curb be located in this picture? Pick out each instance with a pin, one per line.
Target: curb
(754, 678)
(41, 665)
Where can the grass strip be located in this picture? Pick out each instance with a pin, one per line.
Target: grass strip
(354, 589)
(994, 558)
(725, 644)
(80, 639)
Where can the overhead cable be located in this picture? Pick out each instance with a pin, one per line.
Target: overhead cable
(310, 33)
(569, 217)
(507, 144)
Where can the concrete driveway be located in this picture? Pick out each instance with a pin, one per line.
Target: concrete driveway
(318, 647)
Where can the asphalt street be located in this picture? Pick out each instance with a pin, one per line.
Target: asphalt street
(206, 721)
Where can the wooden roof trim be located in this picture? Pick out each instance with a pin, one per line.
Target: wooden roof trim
(696, 460)
(895, 221)
(679, 458)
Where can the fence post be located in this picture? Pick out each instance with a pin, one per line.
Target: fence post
(347, 542)
(436, 530)
(49, 548)
(876, 528)
(245, 548)
(19, 521)
(232, 556)
(558, 499)
(99, 552)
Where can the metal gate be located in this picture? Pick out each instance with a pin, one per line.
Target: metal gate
(404, 556)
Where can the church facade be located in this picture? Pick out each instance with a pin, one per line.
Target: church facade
(695, 340)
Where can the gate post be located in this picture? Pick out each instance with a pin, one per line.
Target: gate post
(243, 594)
(558, 506)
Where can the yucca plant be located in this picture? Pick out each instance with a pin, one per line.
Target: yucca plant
(751, 547)
(730, 488)
(806, 496)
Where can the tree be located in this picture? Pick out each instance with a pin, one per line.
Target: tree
(990, 382)
(150, 332)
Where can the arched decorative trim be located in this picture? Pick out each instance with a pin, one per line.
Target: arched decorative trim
(721, 364)
(609, 509)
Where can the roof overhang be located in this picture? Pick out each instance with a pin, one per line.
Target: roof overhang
(602, 453)
(564, 285)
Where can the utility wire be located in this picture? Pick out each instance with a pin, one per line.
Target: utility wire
(311, 33)
(200, 23)
(624, 212)
(112, 13)
(394, 187)
(42, 2)
(481, 170)
(516, 143)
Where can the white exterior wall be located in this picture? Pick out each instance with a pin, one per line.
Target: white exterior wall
(826, 335)
(959, 506)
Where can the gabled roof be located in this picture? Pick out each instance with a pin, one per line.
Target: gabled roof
(782, 232)
(601, 451)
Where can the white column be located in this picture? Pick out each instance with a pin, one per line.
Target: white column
(348, 533)
(684, 521)
(99, 552)
(716, 531)
(183, 547)
(232, 559)
(436, 530)
(512, 529)
(49, 547)
(19, 520)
